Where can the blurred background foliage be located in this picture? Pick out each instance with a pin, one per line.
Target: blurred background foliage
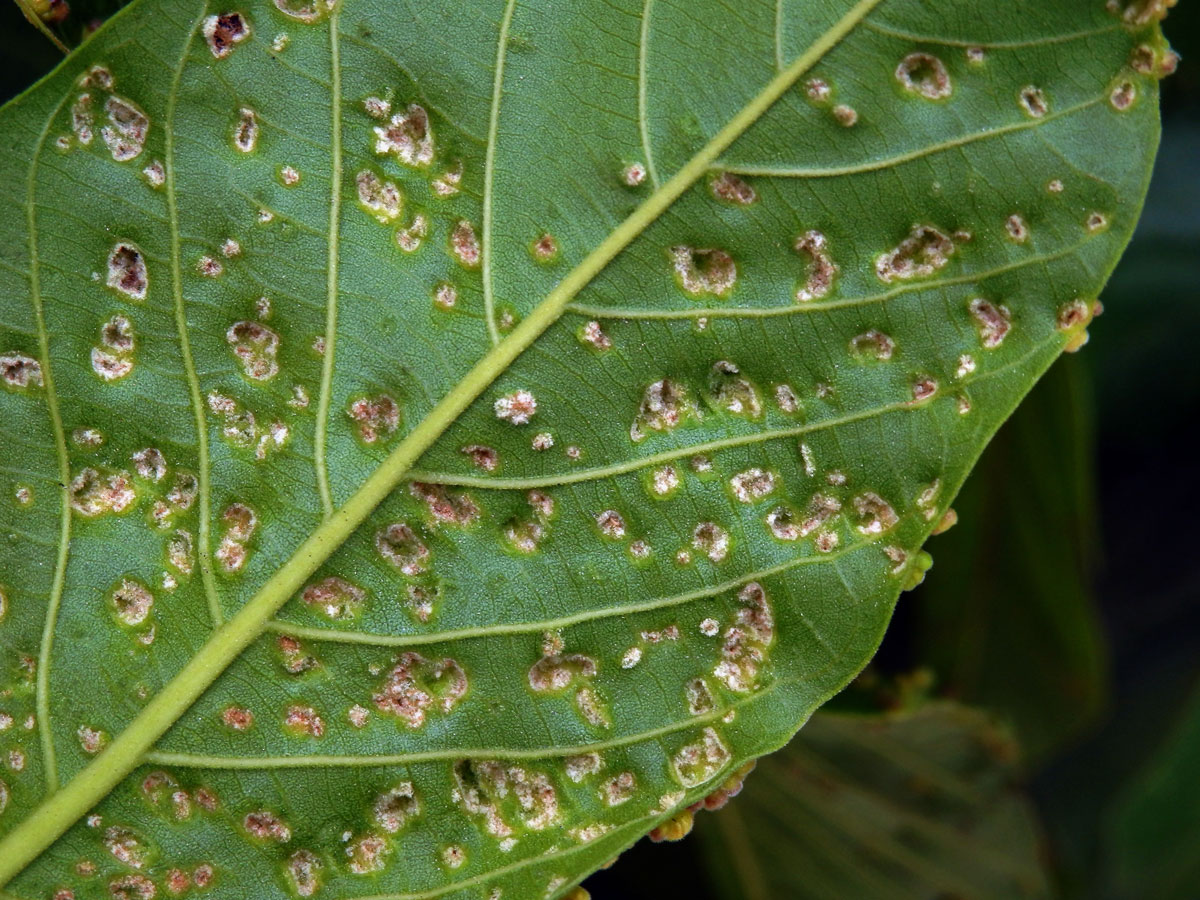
(1031, 725)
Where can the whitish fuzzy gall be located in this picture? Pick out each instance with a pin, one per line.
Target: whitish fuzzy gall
(516, 408)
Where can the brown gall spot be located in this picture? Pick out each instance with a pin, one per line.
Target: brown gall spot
(1122, 96)
(381, 199)
(18, 371)
(82, 119)
(132, 887)
(821, 268)
(516, 408)
(410, 238)
(925, 75)
(846, 116)
(993, 322)
(245, 132)
(238, 718)
(923, 389)
(303, 868)
(593, 335)
(267, 826)
(923, 252)
(1140, 12)
(1017, 229)
(223, 32)
(445, 295)
(872, 345)
(482, 456)
(874, 514)
(633, 174)
(394, 808)
(712, 540)
(303, 721)
(544, 249)
(818, 90)
(729, 188)
(127, 128)
(93, 494)
(731, 392)
(127, 271)
(704, 272)
(335, 598)
(416, 685)
(448, 183)
(446, 506)
(399, 545)
(611, 524)
(1033, 100)
(694, 764)
(306, 11)
(752, 485)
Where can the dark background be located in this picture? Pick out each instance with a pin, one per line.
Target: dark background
(1114, 426)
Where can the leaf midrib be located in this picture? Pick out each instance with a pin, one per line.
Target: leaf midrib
(55, 814)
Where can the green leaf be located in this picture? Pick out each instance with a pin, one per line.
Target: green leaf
(899, 806)
(1007, 618)
(303, 595)
(1153, 829)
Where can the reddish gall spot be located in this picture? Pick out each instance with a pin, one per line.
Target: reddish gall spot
(376, 417)
(304, 721)
(255, 347)
(238, 718)
(464, 244)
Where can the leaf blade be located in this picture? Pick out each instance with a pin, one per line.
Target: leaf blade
(837, 643)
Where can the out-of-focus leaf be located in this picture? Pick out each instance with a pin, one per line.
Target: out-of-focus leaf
(1007, 618)
(66, 22)
(903, 806)
(1154, 833)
